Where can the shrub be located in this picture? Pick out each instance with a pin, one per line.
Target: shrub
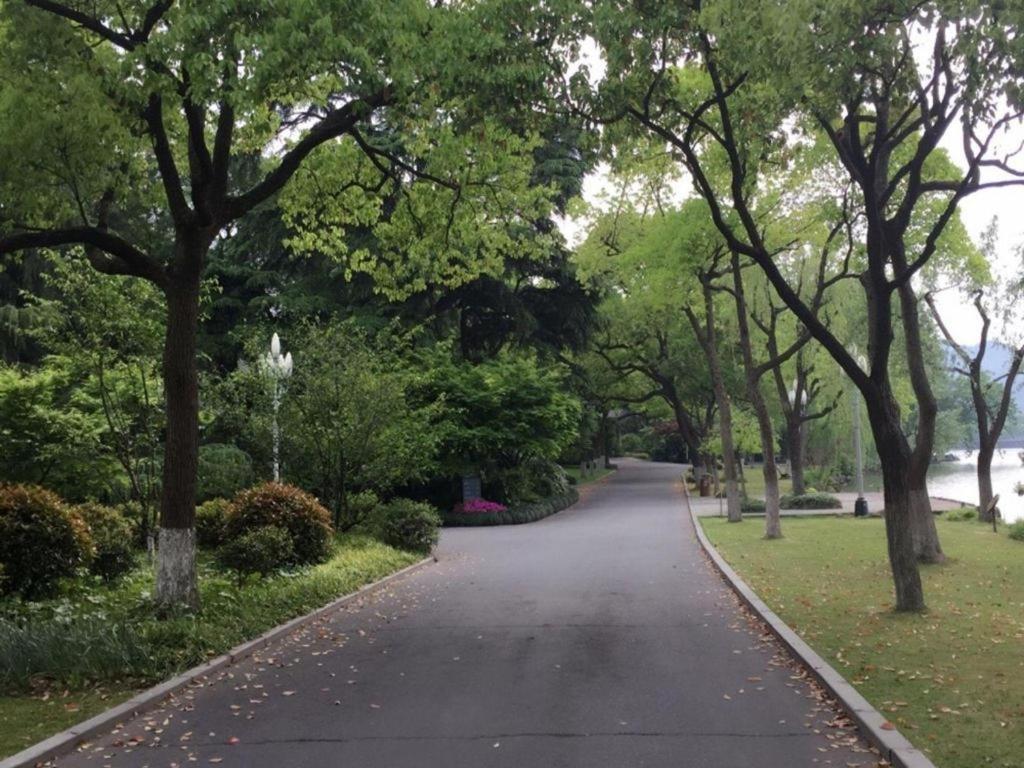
(223, 471)
(360, 506)
(752, 505)
(830, 478)
(41, 540)
(1016, 530)
(631, 442)
(134, 514)
(211, 517)
(285, 506)
(112, 540)
(406, 524)
(811, 501)
(262, 550)
(529, 481)
(967, 513)
(520, 513)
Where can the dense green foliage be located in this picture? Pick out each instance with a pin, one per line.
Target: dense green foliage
(113, 545)
(503, 412)
(1016, 531)
(286, 507)
(105, 633)
(42, 541)
(406, 524)
(260, 550)
(812, 500)
(223, 471)
(211, 519)
(527, 512)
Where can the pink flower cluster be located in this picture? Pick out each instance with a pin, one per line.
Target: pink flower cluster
(480, 505)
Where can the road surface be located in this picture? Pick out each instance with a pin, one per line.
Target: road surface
(596, 637)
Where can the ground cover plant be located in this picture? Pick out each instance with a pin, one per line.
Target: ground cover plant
(949, 678)
(66, 658)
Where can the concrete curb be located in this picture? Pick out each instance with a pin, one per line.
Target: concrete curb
(67, 740)
(892, 745)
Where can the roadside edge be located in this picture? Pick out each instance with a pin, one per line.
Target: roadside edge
(66, 741)
(893, 745)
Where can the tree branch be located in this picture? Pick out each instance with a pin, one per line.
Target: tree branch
(336, 123)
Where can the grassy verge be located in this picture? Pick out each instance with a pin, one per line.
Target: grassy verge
(754, 481)
(950, 679)
(574, 472)
(65, 659)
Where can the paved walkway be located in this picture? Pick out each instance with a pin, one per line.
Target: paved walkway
(597, 637)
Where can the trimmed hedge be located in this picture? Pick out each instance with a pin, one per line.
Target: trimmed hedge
(406, 524)
(288, 507)
(112, 539)
(967, 513)
(811, 501)
(516, 515)
(752, 505)
(260, 550)
(211, 518)
(1016, 531)
(42, 541)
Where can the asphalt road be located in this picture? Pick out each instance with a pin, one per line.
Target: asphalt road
(597, 637)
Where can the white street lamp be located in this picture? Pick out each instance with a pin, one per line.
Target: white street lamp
(278, 367)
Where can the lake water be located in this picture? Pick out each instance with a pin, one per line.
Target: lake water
(959, 480)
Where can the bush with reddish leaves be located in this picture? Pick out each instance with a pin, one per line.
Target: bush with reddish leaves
(287, 507)
(42, 541)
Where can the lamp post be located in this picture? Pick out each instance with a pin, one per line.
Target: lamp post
(278, 367)
(860, 506)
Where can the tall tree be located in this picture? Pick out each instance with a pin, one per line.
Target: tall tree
(754, 75)
(124, 128)
(992, 398)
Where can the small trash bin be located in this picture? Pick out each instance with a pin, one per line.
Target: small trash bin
(705, 485)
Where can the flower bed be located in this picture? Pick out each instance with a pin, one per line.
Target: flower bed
(521, 513)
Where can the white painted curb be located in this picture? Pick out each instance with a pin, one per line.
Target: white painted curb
(66, 741)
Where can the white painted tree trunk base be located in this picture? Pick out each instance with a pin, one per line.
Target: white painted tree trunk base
(176, 586)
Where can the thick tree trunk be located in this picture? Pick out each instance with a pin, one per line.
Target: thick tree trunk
(926, 536)
(899, 529)
(795, 441)
(985, 495)
(176, 585)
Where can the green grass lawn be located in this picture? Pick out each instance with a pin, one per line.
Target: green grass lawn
(754, 480)
(66, 659)
(952, 679)
(599, 473)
